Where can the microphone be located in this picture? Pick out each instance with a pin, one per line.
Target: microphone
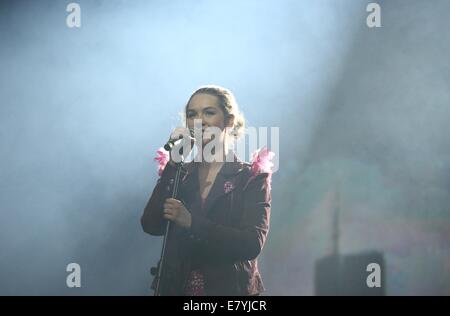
(171, 142)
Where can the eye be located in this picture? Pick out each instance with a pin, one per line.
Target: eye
(190, 114)
(210, 112)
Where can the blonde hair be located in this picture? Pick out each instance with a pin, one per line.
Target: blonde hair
(227, 103)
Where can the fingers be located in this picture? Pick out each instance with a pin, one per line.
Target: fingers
(171, 202)
(171, 208)
(169, 213)
(175, 211)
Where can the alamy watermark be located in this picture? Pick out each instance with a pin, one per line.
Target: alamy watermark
(253, 138)
(73, 279)
(374, 277)
(374, 18)
(73, 19)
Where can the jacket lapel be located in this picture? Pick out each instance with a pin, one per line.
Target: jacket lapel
(189, 184)
(224, 183)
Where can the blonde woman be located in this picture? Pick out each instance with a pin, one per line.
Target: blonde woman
(220, 218)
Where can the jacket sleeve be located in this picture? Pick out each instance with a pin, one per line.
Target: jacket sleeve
(152, 220)
(245, 241)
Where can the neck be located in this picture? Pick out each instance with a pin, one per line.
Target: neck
(205, 166)
(216, 163)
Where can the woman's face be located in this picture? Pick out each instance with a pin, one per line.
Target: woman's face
(205, 107)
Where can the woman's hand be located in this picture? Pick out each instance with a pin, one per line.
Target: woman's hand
(175, 211)
(178, 133)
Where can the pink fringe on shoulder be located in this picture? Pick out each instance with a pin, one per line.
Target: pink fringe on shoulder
(162, 159)
(262, 163)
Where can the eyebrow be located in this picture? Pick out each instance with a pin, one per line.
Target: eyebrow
(207, 108)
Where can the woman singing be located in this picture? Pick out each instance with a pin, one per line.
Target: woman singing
(220, 218)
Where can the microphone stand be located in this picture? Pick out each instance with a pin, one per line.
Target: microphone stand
(176, 183)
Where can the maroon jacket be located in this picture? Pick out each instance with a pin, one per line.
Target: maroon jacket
(224, 239)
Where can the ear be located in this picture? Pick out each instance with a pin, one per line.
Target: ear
(229, 121)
